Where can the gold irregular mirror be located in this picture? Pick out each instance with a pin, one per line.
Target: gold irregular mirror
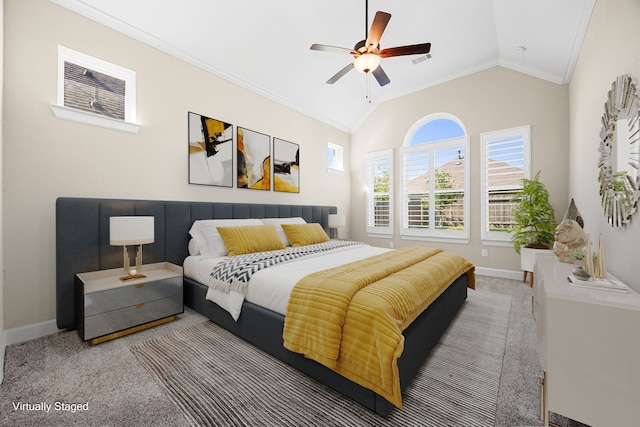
(619, 152)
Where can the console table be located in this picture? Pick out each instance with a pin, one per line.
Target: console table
(588, 342)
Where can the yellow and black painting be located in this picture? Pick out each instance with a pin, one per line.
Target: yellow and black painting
(286, 166)
(254, 160)
(210, 151)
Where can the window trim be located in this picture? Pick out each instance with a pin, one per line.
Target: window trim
(492, 238)
(434, 235)
(62, 112)
(338, 153)
(373, 231)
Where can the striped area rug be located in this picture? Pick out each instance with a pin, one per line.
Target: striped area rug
(217, 379)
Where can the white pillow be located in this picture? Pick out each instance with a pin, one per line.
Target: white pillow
(206, 234)
(194, 249)
(278, 221)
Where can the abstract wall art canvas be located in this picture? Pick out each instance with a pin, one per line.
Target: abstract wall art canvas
(254, 160)
(286, 166)
(210, 151)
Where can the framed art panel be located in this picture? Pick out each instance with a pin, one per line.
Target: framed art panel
(286, 166)
(254, 160)
(210, 151)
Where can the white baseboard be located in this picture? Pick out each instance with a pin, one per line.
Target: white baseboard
(29, 332)
(495, 272)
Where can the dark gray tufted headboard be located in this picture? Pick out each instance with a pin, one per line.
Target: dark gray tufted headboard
(82, 234)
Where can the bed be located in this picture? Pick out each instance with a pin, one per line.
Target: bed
(82, 244)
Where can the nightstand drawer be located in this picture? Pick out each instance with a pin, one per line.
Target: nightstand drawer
(124, 318)
(125, 296)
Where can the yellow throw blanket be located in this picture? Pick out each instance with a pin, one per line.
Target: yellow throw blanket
(351, 318)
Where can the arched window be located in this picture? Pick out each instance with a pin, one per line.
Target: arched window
(435, 180)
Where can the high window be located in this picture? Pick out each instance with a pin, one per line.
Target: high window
(335, 158)
(435, 180)
(505, 161)
(379, 193)
(94, 91)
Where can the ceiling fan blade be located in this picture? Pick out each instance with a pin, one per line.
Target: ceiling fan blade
(378, 25)
(327, 48)
(340, 73)
(413, 49)
(381, 76)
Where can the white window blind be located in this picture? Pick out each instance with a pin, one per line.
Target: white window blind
(505, 161)
(379, 193)
(434, 188)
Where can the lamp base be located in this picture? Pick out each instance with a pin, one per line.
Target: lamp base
(131, 277)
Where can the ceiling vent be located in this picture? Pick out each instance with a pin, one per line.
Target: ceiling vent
(421, 58)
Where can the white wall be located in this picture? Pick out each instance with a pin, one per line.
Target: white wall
(2, 333)
(611, 47)
(486, 101)
(45, 157)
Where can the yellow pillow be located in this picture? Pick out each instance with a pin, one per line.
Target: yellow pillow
(247, 239)
(305, 234)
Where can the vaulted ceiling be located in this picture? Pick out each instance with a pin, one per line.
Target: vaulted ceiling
(264, 45)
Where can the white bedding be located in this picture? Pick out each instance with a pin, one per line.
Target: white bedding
(271, 287)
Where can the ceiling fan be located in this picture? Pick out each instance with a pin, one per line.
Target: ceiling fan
(367, 52)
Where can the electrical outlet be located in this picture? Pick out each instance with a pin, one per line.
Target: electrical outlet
(485, 252)
(391, 245)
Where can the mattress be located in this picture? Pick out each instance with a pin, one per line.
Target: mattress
(271, 287)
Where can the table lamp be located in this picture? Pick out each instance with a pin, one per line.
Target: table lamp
(337, 221)
(131, 230)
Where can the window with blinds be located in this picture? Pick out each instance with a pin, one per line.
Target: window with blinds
(434, 182)
(379, 195)
(505, 161)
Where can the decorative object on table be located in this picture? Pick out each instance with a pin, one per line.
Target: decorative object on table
(569, 237)
(582, 279)
(286, 166)
(574, 214)
(578, 257)
(534, 216)
(595, 263)
(620, 152)
(581, 274)
(601, 265)
(131, 230)
(254, 160)
(210, 151)
(337, 221)
(588, 257)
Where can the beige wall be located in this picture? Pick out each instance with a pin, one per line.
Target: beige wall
(489, 100)
(2, 334)
(611, 47)
(45, 157)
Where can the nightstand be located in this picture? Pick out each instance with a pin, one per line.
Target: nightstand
(108, 308)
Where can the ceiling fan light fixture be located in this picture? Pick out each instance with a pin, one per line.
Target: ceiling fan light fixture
(366, 63)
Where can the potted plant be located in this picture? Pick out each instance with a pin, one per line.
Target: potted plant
(535, 222)
(578, 257)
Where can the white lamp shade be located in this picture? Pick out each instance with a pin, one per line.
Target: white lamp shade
(337, 220)
(131, 230)
(366, 63)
